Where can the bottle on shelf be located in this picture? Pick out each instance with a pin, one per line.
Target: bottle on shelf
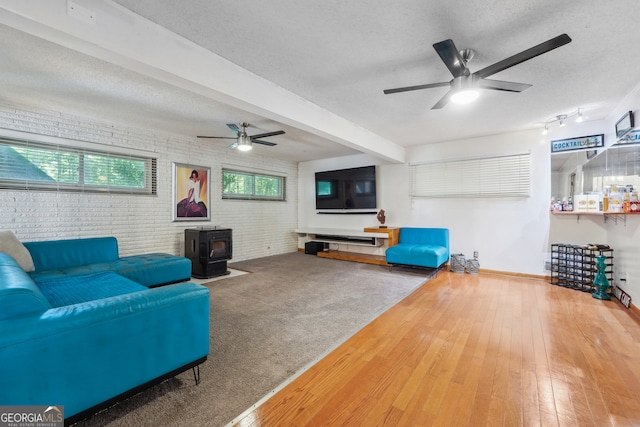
(605, 202)
(615, 200)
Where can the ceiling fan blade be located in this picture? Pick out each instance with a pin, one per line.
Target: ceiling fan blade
(451, 58)
(443, 101)
(502, 85)
(234, 145)
(216, 137)
(419, 87)
(257, 141)
(264, 135)
(234, 127)
(525, 55)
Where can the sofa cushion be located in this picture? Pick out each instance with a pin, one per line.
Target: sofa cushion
(18, 293)
(62, 254)
(78, 289)
(425, 236)
(416, 254)
(153, 269)
(40, 276)
(9, 244)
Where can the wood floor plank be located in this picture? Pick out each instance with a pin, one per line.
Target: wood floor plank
(475, 350)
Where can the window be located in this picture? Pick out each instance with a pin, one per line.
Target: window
(29, 165)
(252, 186)
(506, 176)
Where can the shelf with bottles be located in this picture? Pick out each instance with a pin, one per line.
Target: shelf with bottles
(615, 202)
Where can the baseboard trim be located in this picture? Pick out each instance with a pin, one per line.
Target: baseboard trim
(511, 273)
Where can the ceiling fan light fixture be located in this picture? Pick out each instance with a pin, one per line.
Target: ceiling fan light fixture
(464, 90)
(465, 96)
(244, 143)
(580, 117)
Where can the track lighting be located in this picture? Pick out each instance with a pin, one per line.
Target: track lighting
(561, 119)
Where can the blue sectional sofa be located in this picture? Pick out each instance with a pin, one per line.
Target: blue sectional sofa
(420, 247)
(73, 257)
(87, 328)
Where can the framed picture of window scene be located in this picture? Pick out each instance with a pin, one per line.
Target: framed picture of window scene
(191, 192)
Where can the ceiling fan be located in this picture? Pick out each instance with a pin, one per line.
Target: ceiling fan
(464, 84)
(243, 141)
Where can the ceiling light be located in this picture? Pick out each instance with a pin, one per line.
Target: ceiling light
(465, 96)
(464, 90)
(244, 142)
(562, 118)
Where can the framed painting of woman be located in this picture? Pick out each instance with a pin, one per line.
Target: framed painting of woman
(191, 192)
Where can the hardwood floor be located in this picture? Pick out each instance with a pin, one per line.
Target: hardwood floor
(475, 350)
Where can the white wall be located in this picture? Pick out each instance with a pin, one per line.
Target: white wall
(506, 232)
(307, 212)
(510, 235)
(144, 223)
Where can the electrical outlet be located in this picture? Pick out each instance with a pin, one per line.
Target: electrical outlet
(475, 254)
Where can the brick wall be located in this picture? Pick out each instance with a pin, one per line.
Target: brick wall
(144, 223)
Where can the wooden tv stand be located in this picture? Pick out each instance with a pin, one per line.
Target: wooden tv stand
(389, 233)
(392, 232)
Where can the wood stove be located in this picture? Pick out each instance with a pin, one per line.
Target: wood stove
(208, 249)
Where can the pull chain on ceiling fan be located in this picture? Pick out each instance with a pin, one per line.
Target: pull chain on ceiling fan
(464, 83)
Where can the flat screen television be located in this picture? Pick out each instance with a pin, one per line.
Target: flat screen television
(353, 188)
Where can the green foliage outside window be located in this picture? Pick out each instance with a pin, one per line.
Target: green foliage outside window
(31, 165)
(253, 186)
(113, 171)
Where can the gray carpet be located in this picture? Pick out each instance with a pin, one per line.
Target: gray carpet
(265, 327)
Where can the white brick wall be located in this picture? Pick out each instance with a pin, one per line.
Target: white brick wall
(143, 223)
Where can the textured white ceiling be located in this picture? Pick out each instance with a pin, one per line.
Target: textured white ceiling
(340, 56)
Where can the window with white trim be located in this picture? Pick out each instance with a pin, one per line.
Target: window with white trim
(30, 165)
(252, 186)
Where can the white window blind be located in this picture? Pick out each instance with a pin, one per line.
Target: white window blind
(505, 176)
(30, 165)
